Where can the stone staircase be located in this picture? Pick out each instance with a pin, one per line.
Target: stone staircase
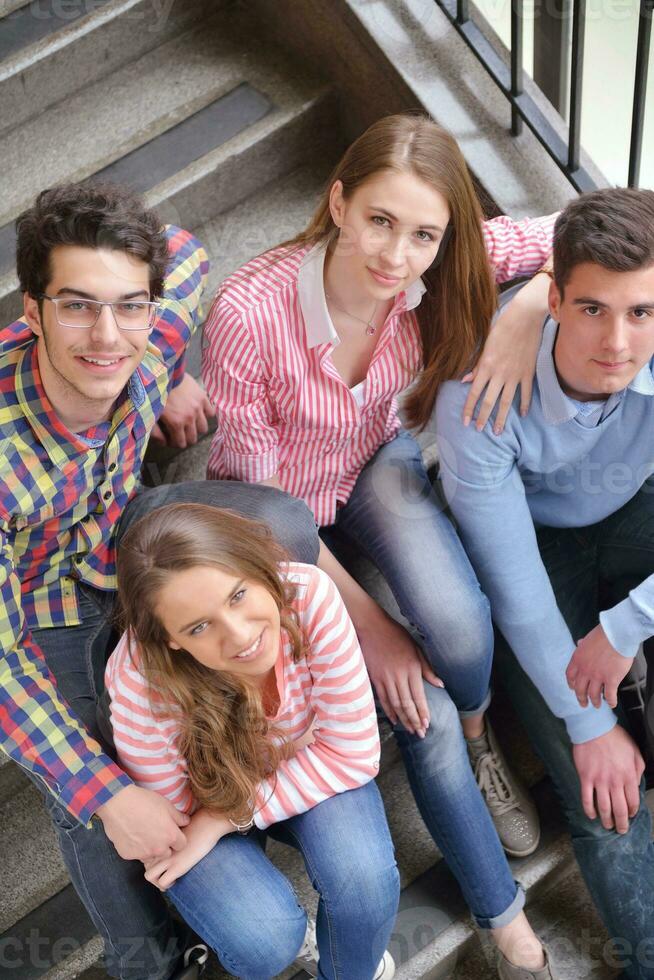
(231, 137)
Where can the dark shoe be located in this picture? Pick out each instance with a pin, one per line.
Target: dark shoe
(194, 962)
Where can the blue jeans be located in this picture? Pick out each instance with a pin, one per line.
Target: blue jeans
(246, 910)
(396, 518)
(605, 559)
(141, 941)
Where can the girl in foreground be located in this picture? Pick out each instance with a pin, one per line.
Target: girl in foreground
(239, 692)
(306, 349)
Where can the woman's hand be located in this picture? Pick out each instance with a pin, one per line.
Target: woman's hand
(509, 357)
(202, 834)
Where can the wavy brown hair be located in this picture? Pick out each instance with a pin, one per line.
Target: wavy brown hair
(225, 737)
(456, 311)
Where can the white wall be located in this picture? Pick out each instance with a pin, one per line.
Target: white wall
(608, 80)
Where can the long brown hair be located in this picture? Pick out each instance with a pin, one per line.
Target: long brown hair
(455, 313)
(225, 738)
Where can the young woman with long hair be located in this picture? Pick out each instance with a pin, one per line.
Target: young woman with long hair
(393, 284)
(239, 692)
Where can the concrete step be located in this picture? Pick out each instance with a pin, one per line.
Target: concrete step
(137, 105)
(50, 50)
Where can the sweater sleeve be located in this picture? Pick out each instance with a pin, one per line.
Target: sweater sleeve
(487, 496)
(345, 751)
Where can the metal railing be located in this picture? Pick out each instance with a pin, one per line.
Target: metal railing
(510, 80)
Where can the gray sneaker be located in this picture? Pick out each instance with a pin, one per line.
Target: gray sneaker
(511, 808)
(507, 971)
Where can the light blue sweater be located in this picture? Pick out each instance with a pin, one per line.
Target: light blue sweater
(559, 468)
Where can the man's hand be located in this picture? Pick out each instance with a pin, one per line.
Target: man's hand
(396, 668)
(610, 769)
(596, 666)
(142, 825)
(203, 833)
(185, 417)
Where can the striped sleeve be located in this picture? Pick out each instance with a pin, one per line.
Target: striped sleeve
(518, 248)
(146, 740)
(345, 751)
(236, 385)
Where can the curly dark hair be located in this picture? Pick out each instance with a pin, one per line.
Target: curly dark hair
(93, 215)
(613, 228)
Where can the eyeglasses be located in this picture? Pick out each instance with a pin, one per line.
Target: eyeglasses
(82, 314)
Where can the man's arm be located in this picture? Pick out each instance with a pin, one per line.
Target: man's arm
(487, 497)
(37, 728)
(187, 410)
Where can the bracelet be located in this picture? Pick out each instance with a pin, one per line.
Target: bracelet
(242, 828)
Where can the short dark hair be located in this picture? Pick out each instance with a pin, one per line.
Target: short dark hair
(93, 215)
(613, 228)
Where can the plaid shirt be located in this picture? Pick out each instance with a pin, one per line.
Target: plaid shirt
(61, 495)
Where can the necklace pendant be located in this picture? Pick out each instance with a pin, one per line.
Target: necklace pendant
(370, 330)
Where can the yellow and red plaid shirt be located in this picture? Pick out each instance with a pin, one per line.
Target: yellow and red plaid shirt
(61, 496)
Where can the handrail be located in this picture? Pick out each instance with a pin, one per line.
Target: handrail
(509, 80)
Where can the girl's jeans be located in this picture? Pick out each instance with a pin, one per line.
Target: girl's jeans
(395, 517)
(141, 942)
(246, 910)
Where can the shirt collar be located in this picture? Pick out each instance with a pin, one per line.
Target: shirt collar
(311, 292)
(51, 432)
(557, 407)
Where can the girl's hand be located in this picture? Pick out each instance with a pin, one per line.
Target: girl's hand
(202, 834)
(509, 357)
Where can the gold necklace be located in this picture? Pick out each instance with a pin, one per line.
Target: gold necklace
(370, 328)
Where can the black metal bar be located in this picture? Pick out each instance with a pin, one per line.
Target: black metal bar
(523, 103)
(516, 63)
(576, 82)
(640, 90)
(462, 11)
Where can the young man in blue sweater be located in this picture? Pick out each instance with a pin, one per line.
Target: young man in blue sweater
(557, 516)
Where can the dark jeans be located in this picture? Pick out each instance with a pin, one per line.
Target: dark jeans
(584, 565)
(131, 915)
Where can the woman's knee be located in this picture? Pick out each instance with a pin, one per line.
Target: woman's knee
(253, 941)
(292, 524)
(264, 947)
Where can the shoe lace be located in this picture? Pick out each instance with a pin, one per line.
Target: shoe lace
(493, 784)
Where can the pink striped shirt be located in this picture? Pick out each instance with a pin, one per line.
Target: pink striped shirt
(282, 406)
(328, 690)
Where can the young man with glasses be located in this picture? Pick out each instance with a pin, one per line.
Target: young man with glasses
(557, 516)
(110, 303)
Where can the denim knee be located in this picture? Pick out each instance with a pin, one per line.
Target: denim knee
(293, 523)
(443, 744)
(267, 949)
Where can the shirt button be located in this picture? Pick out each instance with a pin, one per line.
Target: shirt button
(86, 518)
(106, 495)
(112, 467)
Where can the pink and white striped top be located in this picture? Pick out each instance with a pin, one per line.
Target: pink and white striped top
(282, 407)
(328, 690)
